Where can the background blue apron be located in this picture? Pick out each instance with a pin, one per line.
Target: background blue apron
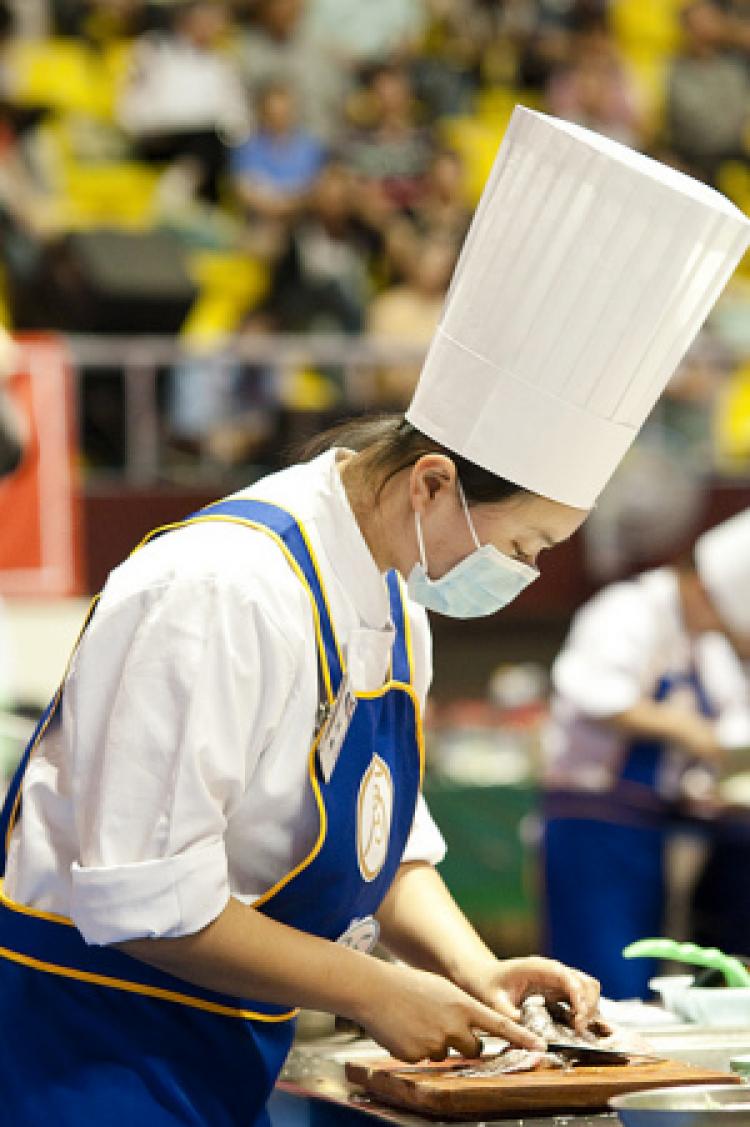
(604, 864)
(91, 1036)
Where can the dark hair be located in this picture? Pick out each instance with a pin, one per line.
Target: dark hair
(7, 21)
(393, 444)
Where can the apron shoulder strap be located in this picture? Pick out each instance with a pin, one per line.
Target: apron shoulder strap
(291, 537)
(402, 657)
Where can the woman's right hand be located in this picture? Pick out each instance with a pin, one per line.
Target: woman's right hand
(416, 1015)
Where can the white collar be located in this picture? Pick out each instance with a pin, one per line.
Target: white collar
(347, 550)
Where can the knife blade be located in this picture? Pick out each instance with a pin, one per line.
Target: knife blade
(584, 1053)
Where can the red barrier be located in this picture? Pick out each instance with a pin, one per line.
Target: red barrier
(39, 509)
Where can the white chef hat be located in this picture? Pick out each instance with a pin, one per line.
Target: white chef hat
(722, 557)
(586, 274)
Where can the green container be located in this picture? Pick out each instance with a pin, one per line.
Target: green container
(491, 866)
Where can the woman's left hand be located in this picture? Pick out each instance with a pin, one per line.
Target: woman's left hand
(516, 979)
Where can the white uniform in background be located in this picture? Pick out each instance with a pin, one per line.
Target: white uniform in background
(621, 644)
(173, 727)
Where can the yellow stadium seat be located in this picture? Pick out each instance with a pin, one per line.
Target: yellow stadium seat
(119, 194)
(732, 422)
(650, 76)
(495, 105)
(476, 142)
(231, 285)
(114, 59)
(476, 137)
(734, 181)
(62, 74)
(648, 35)
(649, 28)
(308, 390)
(92, 193)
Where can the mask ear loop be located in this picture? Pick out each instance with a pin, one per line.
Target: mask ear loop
(467, 514)
(420, 541)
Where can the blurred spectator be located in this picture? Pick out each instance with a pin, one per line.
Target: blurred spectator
(280, 47)
(737, 26)
(274, 168)
(595, 89)
(99, 20)
(708, 93)
(409, 314)
(183, 97)
(361, 33)
(543, 29)
(321, 280)
(219, 412)
(7, 32)
(391, 151)
(27, 211)
(441, 209)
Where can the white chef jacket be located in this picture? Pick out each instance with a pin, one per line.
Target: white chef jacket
(620, 645)
(179, 773)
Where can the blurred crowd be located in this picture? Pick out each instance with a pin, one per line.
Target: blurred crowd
(292, 166)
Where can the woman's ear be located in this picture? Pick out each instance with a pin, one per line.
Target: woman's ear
(433, 476)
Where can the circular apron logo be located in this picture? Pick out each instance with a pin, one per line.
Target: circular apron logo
(361, 935)
(374, 809)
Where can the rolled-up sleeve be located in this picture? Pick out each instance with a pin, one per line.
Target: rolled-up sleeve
(167, 703)
(167, 897)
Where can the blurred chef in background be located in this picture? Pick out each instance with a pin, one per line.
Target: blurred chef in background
(650, 699)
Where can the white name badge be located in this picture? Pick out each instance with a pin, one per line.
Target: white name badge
(335, 728)
(361, 935)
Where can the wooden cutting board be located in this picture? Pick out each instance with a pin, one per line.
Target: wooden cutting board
(433, 1090)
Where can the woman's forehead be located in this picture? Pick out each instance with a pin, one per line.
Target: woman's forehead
(549, 521)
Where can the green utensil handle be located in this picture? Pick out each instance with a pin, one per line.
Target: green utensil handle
(732, 969)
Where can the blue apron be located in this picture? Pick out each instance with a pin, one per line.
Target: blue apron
(604, 865)
(92, 1036)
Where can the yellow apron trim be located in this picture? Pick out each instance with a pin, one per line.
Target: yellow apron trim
(407, 628)
(401, 686)
(322, 831)
(24, 910)
(313, 558)
(389, 686)
(149, 991)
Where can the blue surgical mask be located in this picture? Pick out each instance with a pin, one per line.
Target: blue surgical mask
(485, 582)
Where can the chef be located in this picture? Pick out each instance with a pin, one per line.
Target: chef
(228, 782)
(649, 686)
